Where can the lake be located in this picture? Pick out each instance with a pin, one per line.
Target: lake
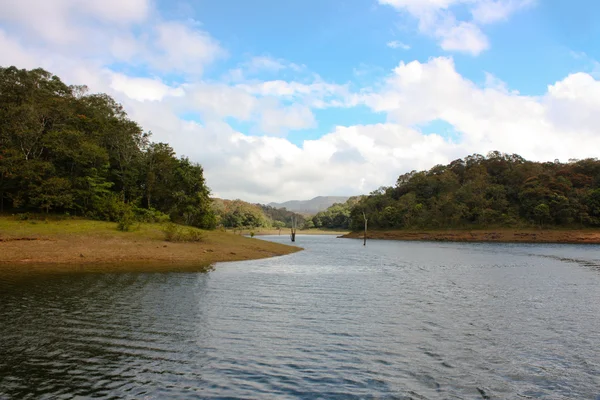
(392, 320)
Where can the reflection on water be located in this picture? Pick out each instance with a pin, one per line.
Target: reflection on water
(392, 320)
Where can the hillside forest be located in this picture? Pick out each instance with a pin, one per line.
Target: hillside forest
(66, 151)
(497, 190)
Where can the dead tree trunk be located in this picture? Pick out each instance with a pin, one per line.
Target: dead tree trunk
(293, 232)
(365, 235)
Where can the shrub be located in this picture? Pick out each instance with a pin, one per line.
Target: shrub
(23, 216)
(192, 235)
(109, 207)
(171, 231)
(150, 215)
(125, 218)
(178, 233)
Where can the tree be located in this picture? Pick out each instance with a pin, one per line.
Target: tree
(482, 191)
(62, 149)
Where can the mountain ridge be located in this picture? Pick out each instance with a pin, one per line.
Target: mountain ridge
(312, 206)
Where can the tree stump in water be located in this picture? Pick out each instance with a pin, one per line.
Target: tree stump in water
(293, 232)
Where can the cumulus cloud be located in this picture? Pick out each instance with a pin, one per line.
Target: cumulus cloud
(258, 163)
(62, 21)
(142, 89)
(436, 18)
(112, 30)
(179, 47)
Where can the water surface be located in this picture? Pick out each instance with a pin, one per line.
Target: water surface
(392, 320)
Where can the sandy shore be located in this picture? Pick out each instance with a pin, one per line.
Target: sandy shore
(492, 235)
(94, 245)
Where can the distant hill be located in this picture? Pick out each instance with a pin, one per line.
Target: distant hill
(313, 206)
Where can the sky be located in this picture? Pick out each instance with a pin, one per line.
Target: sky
(282, 100)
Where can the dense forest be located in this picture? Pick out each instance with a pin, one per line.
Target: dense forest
(480, 191)
(63, 150)
(66, 151)
(335, 217)
(282, 217)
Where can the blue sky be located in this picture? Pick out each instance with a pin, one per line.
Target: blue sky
(293, 99)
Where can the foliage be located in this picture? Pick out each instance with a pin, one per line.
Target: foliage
(239, 214)
(282, 215)
(477, 191)
(335, 217)
(177, 233)
(64, 150)
(150, 215)
(278, 224)
(126, 219)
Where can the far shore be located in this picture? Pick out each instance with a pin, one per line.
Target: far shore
(84, 245)
(575, 236)
(299, 232)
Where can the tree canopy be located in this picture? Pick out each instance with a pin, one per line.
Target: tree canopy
(65, 150)
(480, 191)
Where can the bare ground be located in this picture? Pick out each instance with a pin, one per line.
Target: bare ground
(82, 244)
(499, 235)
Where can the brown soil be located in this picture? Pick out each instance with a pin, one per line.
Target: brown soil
(501, 235)
(109, 250)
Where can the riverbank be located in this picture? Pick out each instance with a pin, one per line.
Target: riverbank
(299, 232)
(97, 245)
(583, 236)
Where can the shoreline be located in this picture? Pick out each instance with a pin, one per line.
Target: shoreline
(575, 236)
(307, 232)
(84, 245)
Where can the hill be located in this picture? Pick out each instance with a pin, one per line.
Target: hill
(481, 192)
(313, 206)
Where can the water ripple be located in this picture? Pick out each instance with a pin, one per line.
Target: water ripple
(337, 321)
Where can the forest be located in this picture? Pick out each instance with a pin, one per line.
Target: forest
(497, 190)
(63, 150)
(66, 151)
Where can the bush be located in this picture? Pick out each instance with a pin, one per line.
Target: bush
(150, 215)
(178, 233)
(109, 207)
(171, 231)
(126, 220)
(23, 216)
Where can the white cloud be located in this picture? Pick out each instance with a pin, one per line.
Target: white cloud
(560, 123)
(465, 37)
(489, 11)
(555, 125)
(437, 19)
(396, 44)
(277, 120)
(182, 48)
(14, 54)
(63, 21)
(357, 159)
(143, 89)
(122, 30)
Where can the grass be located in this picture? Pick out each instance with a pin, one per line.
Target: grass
(80, 242)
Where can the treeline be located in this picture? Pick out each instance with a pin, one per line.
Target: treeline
(482, 191)
(282, 217)
(338, 216)
(239, 214)
(67, 151)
